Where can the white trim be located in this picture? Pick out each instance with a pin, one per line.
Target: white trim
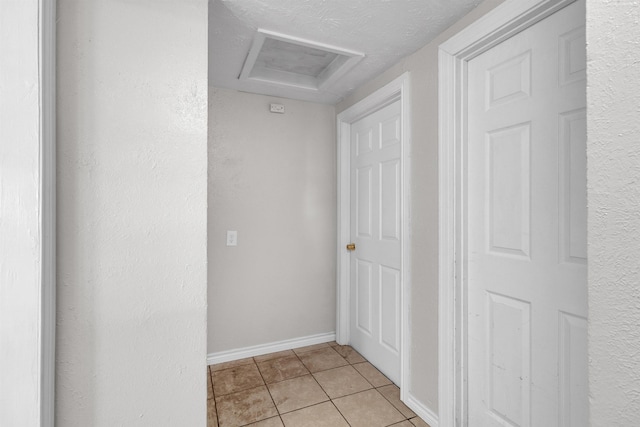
(47, 55)
(258, 350)
(396, 89)
(498, 25)
(344, 233)
(30, 212)
(427, 415)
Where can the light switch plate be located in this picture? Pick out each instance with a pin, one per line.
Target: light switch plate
(232, 238)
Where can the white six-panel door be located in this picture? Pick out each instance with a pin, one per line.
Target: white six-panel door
(527, 255)
(376, 226)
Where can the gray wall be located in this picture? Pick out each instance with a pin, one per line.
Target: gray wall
(423, 66)
(132, 201)
(272, 178)
(613, 162)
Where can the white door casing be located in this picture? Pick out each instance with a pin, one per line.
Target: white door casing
(396, 90)
(459, 242)
(27, 212)
(526, 227)
(376, 201)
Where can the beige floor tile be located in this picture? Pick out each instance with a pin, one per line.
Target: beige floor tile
(274, 422)
(232, 364)
(323, 359)
(349, 354)
(322, 415)
(368, 409)
(341, 381)
(296, 393)
(209, 385)
(237, 394)
(301, 350)
(212, 416)
(392, 393)
(417, 421)
(236, 379)
(375, 377)
(244, 407)
(275, 355)
(282, 368)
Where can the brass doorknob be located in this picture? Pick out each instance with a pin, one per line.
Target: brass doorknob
(351, 247)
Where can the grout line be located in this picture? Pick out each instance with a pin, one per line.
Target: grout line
(242, 389)
(231, 367)
(321, 388)
(309, 406)
(310, 374)
(321, 403)
(285, 379)
(357, 392)
(350, 394)
(341, 414)
(305, 407)
(268, 390)
(351, 365)
(264, 419)
(210, 371)
(386, 385)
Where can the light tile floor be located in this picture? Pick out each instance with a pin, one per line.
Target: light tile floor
(320, 385)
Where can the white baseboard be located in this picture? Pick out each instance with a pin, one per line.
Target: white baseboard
(257, 350)
(422, 411)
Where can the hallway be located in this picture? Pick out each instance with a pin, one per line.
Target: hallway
(320, 385)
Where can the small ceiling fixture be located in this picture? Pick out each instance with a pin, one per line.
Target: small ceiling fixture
(285, 60)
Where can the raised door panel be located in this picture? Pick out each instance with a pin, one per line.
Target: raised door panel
(573, 186)
(508, 183)
(509, 81)
(364, 282)
(364, 202)
(573, 371)
(390, 308)
(390, 200)
(508, 367)
(573, 56)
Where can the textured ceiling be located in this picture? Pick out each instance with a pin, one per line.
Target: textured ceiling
(384, 30)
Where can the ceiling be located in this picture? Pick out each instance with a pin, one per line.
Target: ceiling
(318, 50)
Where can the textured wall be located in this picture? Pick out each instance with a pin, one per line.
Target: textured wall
(272, 178)
(423, 66)
(613, 149)
(132, 159)
(20, 234)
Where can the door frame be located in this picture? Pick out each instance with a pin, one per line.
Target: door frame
(503, 22)
(397, 89)
(32, 276)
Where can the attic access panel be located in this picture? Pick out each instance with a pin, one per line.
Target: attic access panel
(290, 61)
